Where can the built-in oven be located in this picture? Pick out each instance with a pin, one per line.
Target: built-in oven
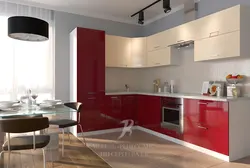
(172, 114)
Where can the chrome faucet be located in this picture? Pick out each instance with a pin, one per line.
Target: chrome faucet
(156, 84)
(127, 87)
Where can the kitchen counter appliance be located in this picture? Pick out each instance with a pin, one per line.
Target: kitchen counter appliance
(172, 114)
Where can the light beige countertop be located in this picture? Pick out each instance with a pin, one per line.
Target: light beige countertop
(181, 95)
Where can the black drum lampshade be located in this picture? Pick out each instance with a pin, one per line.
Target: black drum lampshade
(28, 28)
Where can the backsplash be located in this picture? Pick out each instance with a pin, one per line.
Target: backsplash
(189, 75)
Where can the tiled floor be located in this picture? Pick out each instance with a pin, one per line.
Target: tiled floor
(142, 150)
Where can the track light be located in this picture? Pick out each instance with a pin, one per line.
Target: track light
(141, 18)
(166, 6)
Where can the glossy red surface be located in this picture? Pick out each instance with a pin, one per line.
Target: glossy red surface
(206, 124)
(91, 77)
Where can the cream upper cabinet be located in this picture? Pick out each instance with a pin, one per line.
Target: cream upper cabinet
(224, 46)
(162, 57)
(218, 23)
(118, 51)
(158, 41)
(138, 52)
(182, 33)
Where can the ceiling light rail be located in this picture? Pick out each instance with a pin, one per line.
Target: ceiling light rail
(166, 7)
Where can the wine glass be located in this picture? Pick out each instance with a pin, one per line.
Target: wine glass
(34, 96)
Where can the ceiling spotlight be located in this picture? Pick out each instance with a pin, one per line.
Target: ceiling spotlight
(166, 6)
(141, 18)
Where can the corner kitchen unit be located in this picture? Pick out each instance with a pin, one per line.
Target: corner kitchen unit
(216, 126)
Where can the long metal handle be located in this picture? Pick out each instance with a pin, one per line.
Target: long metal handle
(90, 93)
(201, 127)
(212, 34)
(91, 98)
(201, 103)
(157, 63)
(168, 108)
(157, 47)
(114, 97)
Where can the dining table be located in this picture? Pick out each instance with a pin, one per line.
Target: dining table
(23, 110)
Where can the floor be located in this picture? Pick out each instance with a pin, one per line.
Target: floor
(76, 156)
(142, 150)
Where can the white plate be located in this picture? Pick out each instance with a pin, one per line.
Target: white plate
(52, 102)
(7, 104)
(45, 106)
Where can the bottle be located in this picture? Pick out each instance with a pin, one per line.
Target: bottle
(218, 91)
(172, 86)
(165, 87)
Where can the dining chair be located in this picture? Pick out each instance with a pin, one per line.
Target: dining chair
(23, 125)
(66, 123)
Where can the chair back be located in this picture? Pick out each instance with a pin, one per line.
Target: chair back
(22, 125)
(23, 116)
(74, 105)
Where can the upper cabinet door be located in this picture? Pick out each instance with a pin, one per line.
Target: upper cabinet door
(224, 46)
(138, 52)
(159, 57)
(118, 51)
(158, 41)
(182, 33)
(219, 23)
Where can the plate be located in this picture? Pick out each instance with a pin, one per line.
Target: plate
(52, 102)
(45, 106)
(7, 104)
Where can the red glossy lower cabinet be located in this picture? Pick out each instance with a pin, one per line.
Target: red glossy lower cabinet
(149, 111)
(206, 124)
(129, 107)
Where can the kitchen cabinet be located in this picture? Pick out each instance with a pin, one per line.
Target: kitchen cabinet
(162, 57)
(138, 52)
(158, 41)
(129, 107)
(219, 23)
(149, 111)
(118, 51)
(87, 75)
(206, 124)
(218, 47)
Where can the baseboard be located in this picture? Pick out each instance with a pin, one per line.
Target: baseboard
(86, 134)
(186, 144)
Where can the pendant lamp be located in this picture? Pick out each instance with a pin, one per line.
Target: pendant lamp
(28, 28)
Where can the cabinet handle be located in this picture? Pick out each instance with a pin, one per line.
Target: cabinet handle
(91, 98)
(157, 63)
(180, 41)
(216, 55)
(201, 127)
(157, 47)
(212, 34)
(201, 103)
(114, 97)
(91, 93)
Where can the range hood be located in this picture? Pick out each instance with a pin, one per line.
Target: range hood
(182, 44)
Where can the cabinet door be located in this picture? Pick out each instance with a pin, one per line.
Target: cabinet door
(159, 57)
(223, 46)
(158, 41)
(183, 32)
(138, 52)
(118, 51)
(222, 22)
(129, 104)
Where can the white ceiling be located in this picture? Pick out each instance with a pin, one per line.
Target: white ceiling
(116, 10)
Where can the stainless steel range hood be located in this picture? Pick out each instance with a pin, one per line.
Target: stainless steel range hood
(182, 44)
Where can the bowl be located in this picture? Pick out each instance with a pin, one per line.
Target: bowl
(234, 81)
(52, 102)
(7, 104)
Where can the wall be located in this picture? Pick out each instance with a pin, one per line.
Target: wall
(64, 24)
(190, 75)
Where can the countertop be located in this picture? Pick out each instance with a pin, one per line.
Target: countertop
(181, 95)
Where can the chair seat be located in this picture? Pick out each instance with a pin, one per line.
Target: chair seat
(63, 123)
(26, 142)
